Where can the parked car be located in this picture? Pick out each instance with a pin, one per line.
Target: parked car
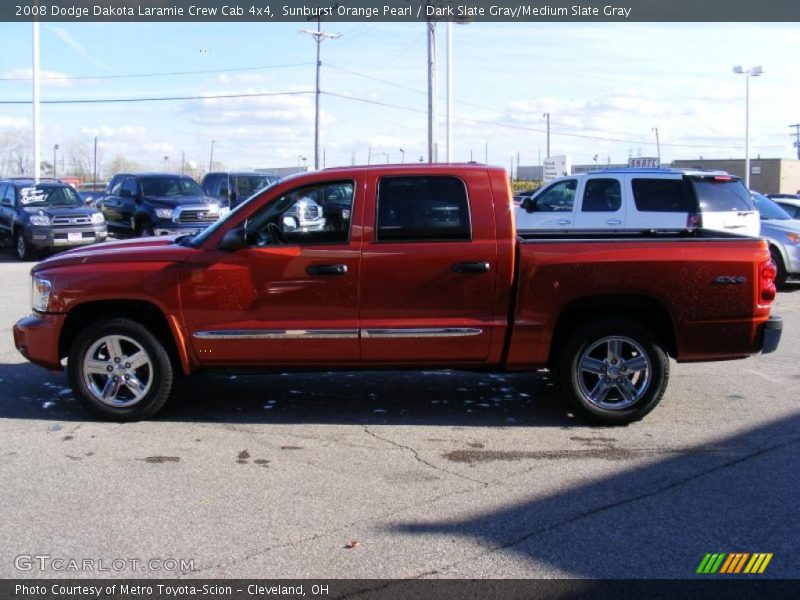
(783, 234)
(49, 215)
(788, 202)
(235, 187)
(428, 273)
(642, 199)
(91, 192)
(148, 204)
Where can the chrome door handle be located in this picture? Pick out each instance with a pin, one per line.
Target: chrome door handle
(614, 222)
(563, 222)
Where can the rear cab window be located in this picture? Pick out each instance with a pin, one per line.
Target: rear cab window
(422, 208)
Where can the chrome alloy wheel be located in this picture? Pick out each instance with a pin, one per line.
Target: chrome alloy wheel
(117, 371)
(614, 373)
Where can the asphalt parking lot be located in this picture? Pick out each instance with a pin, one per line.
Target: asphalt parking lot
(384, 475)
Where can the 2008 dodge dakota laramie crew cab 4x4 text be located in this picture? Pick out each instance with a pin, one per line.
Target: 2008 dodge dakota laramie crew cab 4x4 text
(424, 270)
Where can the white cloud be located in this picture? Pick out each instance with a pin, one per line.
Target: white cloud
(47, 78)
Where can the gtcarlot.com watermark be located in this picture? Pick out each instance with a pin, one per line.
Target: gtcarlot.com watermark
(60, 564)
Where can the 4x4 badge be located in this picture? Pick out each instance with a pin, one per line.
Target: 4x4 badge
(730, 279)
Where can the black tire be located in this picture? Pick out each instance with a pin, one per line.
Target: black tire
(22, 248)
(782, 276)
(611, 401)
(131, 337)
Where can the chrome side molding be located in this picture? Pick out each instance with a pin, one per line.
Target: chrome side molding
(421, 332)
(277, 334)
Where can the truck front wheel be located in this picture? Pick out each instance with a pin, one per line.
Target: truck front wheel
(120, 371)
(613, 372)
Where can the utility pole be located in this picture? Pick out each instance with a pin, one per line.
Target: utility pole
(319, 37)
(796, 135)
(449, 127)
(547, 116)
(183, 161)
(658, 146)
(95, 160)
(55, 147)
(211, 156)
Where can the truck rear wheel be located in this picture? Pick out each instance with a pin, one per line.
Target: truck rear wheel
(120, 371)
(613, 372)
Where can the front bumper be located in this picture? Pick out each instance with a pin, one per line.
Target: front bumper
(771, 334)
(169, 227)
(43, 238)
(792, 259)
(36, 337)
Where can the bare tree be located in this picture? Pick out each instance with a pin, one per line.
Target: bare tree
(15, 152)
(120, 164)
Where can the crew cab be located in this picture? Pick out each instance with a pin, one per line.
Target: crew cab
(148, 204)
(636, 198)
(38, 217)
(427, 271)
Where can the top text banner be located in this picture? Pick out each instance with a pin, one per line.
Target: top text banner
(400, 10)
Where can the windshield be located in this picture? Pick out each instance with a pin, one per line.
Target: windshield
(720, 194)
(49, 195)
(768, 209)
(247, 185)
(197, 240)
(169, 186)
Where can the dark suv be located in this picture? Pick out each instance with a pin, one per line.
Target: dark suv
(44, 216)
(235, 187)
(157, 204)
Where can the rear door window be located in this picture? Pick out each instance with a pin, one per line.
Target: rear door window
(602, 195)
(721, 194)
(423, 209)
(662, 195)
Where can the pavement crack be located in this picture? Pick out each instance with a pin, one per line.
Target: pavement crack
(421, 460)
(612, 505)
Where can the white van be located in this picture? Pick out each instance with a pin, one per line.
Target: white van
(642, 199)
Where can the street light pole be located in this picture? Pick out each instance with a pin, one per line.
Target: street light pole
(547, 116)
(748, 73)
(402, 156)
(432, 120)
(55, 147)
(37, 145)
(211, 156)
(658, 146)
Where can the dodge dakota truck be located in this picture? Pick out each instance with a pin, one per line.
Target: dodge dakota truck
(424, 271)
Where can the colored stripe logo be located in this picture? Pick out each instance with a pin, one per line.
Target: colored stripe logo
(733, 563)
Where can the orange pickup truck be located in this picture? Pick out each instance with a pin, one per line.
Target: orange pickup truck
(416, 267)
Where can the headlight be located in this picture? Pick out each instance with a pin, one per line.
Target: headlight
(40, 220)
(98, 218)
(40, 294)
(164, 213)
(793, 237)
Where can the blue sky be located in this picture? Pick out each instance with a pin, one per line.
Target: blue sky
(615, 81)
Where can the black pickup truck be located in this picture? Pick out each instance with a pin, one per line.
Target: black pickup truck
(148, 204)
(48, 215)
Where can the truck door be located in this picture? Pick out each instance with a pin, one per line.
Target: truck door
(601, 204)
(290, 296)
(552, 208)
(428, 270)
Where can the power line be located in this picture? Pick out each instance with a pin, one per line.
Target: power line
(164, 74)
(158, 98)
(533, 129)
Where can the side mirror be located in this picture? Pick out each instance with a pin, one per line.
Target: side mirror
(233, 240)
(125, 194)
(289, 223)
(6, 202)
(529, 204)
(224, 192)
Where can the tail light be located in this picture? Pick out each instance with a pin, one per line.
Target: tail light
(767, 272)
(694, 221)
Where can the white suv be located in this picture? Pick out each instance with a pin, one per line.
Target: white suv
(642, 199)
